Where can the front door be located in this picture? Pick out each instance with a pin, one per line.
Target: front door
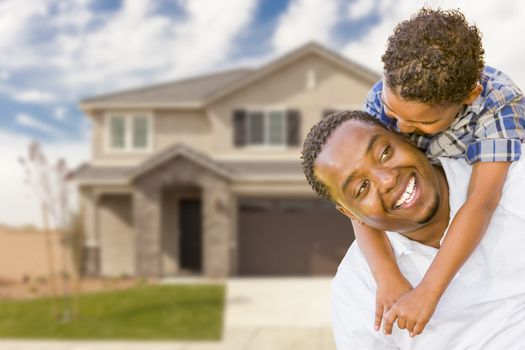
(191, 235)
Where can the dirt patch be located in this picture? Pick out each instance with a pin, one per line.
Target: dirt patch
(28, 288)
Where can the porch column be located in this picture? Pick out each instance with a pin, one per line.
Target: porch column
(147, 224)
(217, 229)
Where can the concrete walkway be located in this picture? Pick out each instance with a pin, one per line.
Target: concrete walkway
(261, 314)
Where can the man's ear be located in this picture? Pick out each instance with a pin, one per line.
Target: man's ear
(473, 94)
(347, 213)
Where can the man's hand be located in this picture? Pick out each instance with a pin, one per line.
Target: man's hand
(388, 292)
(412, 311)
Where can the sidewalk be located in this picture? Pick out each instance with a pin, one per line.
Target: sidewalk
(261, 314)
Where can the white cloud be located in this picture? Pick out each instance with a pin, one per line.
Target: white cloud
(33, 123)
(303, 21)
(136, 45)
(60, 113)
(500, 22)
(4, 75)
(33, 96)
(360, 8)
(89, 53)
(18, 205)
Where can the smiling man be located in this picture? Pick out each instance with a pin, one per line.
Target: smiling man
(377, 178)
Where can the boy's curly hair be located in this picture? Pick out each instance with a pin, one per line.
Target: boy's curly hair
(316, 139)
(435, 57)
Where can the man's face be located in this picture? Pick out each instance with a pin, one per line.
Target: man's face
(417, 117)
(378, 178)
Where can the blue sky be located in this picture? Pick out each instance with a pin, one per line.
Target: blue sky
(56, 52)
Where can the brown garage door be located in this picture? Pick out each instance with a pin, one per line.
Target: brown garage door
(292, 236)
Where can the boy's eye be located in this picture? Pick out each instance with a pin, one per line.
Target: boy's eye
(384, 154)
(362, 188)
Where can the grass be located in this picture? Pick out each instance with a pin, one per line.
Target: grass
(150, 312)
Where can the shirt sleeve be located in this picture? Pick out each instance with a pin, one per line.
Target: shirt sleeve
(499, 135)
(374, 105)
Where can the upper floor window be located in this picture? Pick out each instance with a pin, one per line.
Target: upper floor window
(266, 128)
(270, 127)
(129, 132)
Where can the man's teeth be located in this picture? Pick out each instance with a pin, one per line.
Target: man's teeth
(408, 194)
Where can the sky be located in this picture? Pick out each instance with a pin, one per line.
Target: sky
(55, 53)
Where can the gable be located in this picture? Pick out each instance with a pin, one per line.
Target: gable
(358, 71)
(309, 79)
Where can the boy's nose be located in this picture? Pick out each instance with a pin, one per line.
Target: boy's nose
(405, 126)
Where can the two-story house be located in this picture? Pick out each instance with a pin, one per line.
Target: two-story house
(203, 175)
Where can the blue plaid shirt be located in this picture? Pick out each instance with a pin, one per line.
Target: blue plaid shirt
(491, 129)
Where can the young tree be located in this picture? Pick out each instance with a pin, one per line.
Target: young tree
(48, 182)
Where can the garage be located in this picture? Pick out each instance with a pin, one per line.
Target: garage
(291, 237)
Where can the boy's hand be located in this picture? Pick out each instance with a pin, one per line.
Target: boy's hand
(388, 292)
(412, 311)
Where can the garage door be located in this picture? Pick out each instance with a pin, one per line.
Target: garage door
(291, 237)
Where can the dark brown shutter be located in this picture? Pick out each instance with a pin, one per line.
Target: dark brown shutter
(293, 123)
(239, 127)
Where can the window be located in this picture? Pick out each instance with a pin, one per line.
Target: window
(266, 128)
(129, 132)
(117, 132)
(140, 132)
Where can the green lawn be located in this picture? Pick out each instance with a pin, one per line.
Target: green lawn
(149, 312)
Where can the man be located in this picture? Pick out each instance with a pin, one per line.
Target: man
(376, 177)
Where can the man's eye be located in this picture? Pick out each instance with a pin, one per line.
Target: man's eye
(362, 188)
(385, 154)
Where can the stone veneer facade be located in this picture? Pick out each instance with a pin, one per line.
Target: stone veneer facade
(217, 213)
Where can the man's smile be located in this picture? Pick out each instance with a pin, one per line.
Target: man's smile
(408, 195)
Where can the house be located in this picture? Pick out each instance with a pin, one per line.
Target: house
(203, 176)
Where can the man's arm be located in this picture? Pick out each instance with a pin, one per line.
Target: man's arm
(414, 309)
(391, 283)
(352, 294)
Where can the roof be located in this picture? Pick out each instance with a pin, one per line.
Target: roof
(189, 92)
(100, 174)
(179, 150)
(198, 91)
(230, 169)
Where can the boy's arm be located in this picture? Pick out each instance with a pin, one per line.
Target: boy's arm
(391, 283)
(415, 308)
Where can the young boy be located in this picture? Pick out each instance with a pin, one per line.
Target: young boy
(438, 93)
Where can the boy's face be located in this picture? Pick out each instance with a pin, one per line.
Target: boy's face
(416, 117)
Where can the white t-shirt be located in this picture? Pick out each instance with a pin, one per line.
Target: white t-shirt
(483, 307)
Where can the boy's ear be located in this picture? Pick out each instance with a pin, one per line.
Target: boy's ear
(347, 213)
(473, 94)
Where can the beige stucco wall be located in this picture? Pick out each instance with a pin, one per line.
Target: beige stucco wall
(286, 88)
(117, 241)
(24, 253)
(188, 127)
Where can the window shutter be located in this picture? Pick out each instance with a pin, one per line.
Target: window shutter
(239, 127)
(293, 124)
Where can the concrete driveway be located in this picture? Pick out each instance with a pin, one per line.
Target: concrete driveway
(261, 314)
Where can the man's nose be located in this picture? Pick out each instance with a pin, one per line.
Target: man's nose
(386, 179)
